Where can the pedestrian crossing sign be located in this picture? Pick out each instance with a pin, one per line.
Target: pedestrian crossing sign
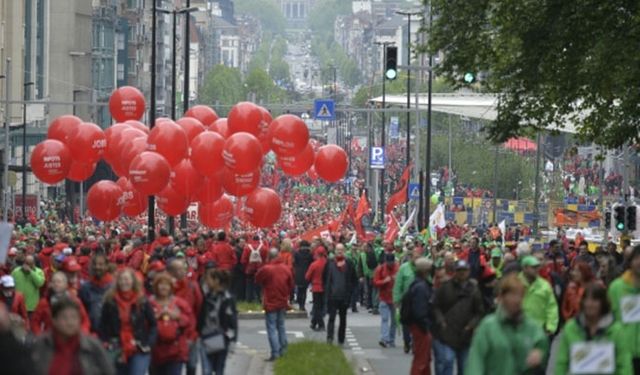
(324, 109)
(414, 191)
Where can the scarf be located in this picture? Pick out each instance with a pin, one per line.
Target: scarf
(125, 302)
(65, 358)
(102, 282)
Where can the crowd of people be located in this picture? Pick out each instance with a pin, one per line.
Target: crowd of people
(88, 299)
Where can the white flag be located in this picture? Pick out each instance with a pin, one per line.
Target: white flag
(405, 226)
(437, 220)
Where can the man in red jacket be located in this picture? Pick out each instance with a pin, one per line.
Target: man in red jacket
(314, 276)
(223, 254)
(276, 281)
(383, 279)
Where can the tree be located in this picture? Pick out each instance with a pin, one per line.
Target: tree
(551, 62)
(222, 85)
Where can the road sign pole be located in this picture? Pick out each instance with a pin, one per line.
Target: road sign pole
(7, 150)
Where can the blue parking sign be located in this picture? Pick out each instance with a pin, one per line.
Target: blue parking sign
(376, 158)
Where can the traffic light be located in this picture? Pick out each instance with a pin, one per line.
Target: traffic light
(631, 218)
(391, 63)
(469, 78)
(607, 220)
(619, 218)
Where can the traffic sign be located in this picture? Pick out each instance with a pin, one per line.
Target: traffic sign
(376, 159)
(324, 109)
(414, 191)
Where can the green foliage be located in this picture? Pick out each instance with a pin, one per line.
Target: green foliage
(222, 85)
(267, 11)
(324, 15)
(312, 358)
(552, 62)
(330, 53)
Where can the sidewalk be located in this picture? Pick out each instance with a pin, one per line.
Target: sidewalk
(245, 361)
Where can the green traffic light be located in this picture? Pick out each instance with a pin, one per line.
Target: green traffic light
(469, 77)
(391, 74)
(620, 226)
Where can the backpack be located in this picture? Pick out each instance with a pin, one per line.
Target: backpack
(255, 256)
(406, 306)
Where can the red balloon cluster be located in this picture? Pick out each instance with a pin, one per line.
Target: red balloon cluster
(197, 158)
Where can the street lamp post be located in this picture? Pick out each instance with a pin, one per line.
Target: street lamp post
(151, 220)
(24, 152)
(7, 150)
(384, 105)
(408, 14)
(427, 166)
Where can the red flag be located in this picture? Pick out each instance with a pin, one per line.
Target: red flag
(393, 229)
(363, 209)
(400, 196)
(317, 232)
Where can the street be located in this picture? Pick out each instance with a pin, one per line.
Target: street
(363, 331)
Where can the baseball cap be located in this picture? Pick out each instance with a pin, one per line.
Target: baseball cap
(462, 265)
(67, 251)
(530, 261)
(7, 281)
(70, 264)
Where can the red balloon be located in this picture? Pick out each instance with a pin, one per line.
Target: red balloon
(136, 147)
(217, 214)
(63, 127)
(262, 207)
(206, 153)
(80, 171)
(245, 117)
(290, 135)
(51, 161)
(240, 184)
(169, 140)
(113, 135)
(191, 126)
(331, 163)
(120, 149)
(242, 153)
(185, 179)
(205, 114)
(126, 103)
(149, 173)
(221, 127)
(87, 144)
(138, 125)
(133, 202)
(103, 200)
(210, 190)
(299, 164)
(171, 202)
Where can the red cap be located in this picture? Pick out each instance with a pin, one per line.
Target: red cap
(191, 252)
(70, 264)
(157, 266)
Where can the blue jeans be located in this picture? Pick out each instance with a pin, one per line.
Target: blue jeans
(276, 332)
(445, 356)
(388, 326)
(137, 364)
(217, 362)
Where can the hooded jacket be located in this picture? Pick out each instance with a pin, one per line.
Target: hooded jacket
(302, 259)
(575, 331)
(276, 281)
(458, 309)
(620, 288)
(404, 278)
(540, 303)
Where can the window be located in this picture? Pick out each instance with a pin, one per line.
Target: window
(120, 41)
(120, 74)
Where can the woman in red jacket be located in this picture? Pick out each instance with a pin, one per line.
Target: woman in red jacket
(580, 276)
(58, 289)
(176, 324)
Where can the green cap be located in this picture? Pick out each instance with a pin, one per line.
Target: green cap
(180, 254)
(530, 261)
(496, 253)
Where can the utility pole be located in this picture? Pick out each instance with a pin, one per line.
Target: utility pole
(151, 220)
(495, 187)
(7, 150)
(171, 219)
(427, 166)
(383, 140)
(24, 152)
(185, 94)
(536, 195)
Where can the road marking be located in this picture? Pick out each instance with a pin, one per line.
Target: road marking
(297, 334)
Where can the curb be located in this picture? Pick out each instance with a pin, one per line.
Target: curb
(359, 364)
(260, 315)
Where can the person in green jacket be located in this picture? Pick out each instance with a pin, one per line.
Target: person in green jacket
(29, 279)
(405, 276)
(508, 342)
(593, 326)
(624, 294)
(539, 301)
